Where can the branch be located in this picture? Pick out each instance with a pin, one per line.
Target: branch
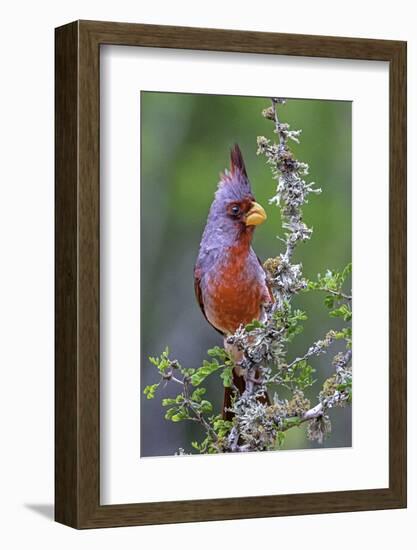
(198, 416)
(338, 397)
(266, 344)
(335, 293)
(318, 347)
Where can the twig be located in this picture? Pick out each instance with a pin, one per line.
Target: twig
(335, 293)
(318, 347)
(199, 417)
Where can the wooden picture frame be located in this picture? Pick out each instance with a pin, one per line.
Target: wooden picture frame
(77, 372)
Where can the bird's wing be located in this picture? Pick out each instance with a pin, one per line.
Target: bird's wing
(199, 296)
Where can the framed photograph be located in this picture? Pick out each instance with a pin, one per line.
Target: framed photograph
(230, 228)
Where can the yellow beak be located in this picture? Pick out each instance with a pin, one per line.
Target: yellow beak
(256, 215)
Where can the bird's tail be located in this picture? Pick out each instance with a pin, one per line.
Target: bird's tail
(231, 393)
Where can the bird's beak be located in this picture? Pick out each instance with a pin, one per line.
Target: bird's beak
(256, 215)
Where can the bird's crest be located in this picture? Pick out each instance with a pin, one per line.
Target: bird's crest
(236, 179)
(237, 163)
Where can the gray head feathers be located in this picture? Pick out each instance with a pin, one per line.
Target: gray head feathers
(234, 183)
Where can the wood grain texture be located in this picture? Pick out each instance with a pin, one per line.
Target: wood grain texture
(77, 372)
(398, 273)
(66, 237)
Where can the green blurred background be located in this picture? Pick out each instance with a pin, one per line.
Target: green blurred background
(185, 143)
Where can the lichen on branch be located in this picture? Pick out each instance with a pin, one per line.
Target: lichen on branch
(258, 425)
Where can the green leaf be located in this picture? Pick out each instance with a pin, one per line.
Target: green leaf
(219, 353)
(206, 406)
(168, 401)
(331, 281)
(187, 372)
(198, 394)
(292, 324)
(170, 413)
(347, 270)
(162, 362)
(344, 334)
(300, 315)
(204, 371)
(222, 427)
(329, 301)
(346, 387)
(227, 376)
(343, 311)
(280, 439)
(178, 415)
(254, 325)
(311, 285)
(149, 391)
(301, 375)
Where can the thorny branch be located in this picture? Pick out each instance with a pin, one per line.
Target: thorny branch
(188, 402)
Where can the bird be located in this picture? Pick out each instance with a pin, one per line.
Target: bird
(229, 280)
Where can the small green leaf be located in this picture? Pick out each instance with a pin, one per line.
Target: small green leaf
(187, 372)
(344, 334)
(343, 311)
(149, 391)
(219, 353)
(206, 406)
(222, 427)
(204, 371)
(280, 439)
(162, 363)
(254, 325)
(329, 301)
(311, 285)
(301, 375)
(168, 401)
(180, 414)
(347, 270)
(170, 413)
(227, 376)
(198, 394)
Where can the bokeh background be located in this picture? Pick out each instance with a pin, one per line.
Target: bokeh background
(185, 143)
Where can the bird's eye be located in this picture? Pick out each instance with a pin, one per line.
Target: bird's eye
(235, 210)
